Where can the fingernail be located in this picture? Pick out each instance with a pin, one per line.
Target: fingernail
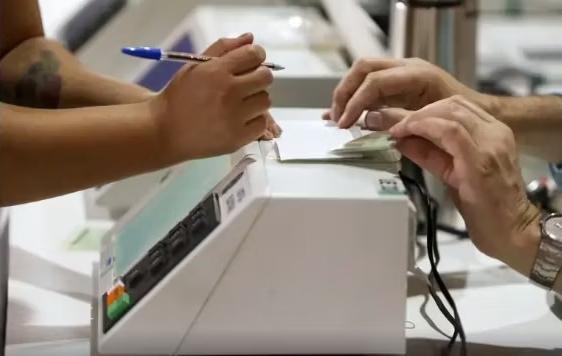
(373, 120)
(245, 34)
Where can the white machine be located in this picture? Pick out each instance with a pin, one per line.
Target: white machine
(277, 258)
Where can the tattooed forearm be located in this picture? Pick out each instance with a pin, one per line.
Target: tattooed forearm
(39, 87)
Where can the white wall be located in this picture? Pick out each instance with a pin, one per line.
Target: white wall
(56, 13)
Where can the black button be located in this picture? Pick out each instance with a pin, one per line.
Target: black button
(198, 211)
(154, 254)
(133, 278)
(177, 244)
(156, 264)
(197, 226)
(157, 249)
(199, 215)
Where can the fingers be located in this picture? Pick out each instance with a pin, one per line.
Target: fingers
(256, 105)
(243, 59)
(272, 126)
(272, 130)
(351, 82)
(384, 119)
(430, 157)
(254, 82)
(254, 128)
(450, 136)
(378, 88)
(225, 45)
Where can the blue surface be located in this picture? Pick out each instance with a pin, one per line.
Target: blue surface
(160, 74)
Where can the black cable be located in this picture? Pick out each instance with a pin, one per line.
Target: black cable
(430, 207)
(461, 234)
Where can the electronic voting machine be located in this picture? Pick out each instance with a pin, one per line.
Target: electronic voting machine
(256, 253)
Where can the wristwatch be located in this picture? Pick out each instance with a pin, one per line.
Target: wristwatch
(548, 262)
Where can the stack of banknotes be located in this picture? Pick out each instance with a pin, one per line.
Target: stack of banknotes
(376, 146)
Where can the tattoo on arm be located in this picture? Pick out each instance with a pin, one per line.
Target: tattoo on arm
(40, 86)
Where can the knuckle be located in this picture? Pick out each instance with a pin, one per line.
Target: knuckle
(458, 112)
(261, 123)
(268, 101)
(212, 69)
(507, 139)
(361, 62)
(222, 42)
(488, 163)
(454, 130)
(455, 104)
(265, 100)
(267, 76)
(340, 95)
(457, 99)
(372, 78)
(416, 60)
(256, 52)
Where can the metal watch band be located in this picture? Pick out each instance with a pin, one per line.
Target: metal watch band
(548, 261)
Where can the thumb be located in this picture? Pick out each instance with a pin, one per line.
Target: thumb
(384, 119)
(225, 45)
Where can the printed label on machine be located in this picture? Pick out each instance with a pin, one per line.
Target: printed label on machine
(234, 194)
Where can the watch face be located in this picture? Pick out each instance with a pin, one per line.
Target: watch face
(553, 227)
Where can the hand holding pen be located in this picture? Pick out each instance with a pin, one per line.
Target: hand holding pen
(216, 107)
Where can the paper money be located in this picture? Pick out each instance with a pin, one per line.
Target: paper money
(371, 144)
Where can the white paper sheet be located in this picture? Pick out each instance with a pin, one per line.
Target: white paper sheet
(312, 140)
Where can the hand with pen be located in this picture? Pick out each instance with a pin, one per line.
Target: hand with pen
(216, 107)
(223, 46)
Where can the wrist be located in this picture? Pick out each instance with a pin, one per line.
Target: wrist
(494, 105)
(158, 113)
(524, 243)
(153, 150)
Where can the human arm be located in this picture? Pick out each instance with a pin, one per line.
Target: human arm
(50, 152)
(475, 155)
(411, 84)
(536, 122)
(41, 73)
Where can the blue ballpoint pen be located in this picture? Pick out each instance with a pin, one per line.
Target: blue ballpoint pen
(161, 55)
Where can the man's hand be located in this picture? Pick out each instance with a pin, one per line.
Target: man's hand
(411, 83)
(475, 155)
(225, 45)
(215, 107)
